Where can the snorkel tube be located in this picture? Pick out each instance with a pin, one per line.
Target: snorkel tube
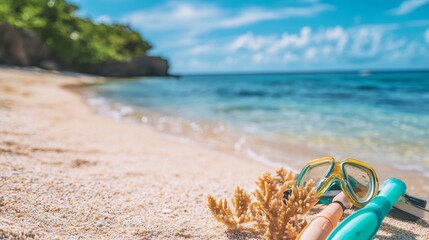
(322, 224)
(364, 223)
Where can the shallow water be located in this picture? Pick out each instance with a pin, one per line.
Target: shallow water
(381, 118)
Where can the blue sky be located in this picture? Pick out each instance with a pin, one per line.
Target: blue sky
(277, 35)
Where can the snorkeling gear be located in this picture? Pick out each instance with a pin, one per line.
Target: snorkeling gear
(407, 207)
(357, 179)
(364, 223)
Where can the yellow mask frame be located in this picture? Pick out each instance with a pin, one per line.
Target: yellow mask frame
(336, 173)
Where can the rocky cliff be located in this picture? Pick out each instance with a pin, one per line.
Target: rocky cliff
(24, 48)
(138, 66)
(20, 47)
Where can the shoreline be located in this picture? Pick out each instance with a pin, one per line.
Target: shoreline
(234, 140)
(205, 139)
(68, 172)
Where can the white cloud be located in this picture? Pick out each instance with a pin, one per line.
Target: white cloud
(104, 19)
(308, 48)
(333, 47)
(335, 34)
(366, 42)
(250, 41)
(335, 44)
(355, 44)
(408, 6)
(291, 40)
(328, 41)
(426, 35)
(196, 18)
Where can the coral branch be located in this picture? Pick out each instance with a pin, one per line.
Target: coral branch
(284, 175)
(276, 217)
(221, 211)
(241, 202)
(232, 217)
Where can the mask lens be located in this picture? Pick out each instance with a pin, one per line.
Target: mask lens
(359, 180)
(317, 173)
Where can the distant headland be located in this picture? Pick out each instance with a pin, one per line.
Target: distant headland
(50, 35)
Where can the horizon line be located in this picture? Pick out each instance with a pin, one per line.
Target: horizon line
(306, 72)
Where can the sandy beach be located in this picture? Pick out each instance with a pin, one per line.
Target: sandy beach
(67, 173)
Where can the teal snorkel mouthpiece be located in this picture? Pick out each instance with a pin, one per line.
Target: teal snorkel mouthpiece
(364, 223)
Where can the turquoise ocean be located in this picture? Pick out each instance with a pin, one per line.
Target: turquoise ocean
(287, 119)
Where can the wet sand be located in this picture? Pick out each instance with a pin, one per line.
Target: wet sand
(66, 172)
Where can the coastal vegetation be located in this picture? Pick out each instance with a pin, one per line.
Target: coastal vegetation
(72, 40)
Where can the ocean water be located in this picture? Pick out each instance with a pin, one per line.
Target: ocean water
(380, 118)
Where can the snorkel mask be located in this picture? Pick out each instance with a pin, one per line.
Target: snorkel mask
(357, 179)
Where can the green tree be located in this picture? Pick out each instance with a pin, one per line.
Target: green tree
(73, 40)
